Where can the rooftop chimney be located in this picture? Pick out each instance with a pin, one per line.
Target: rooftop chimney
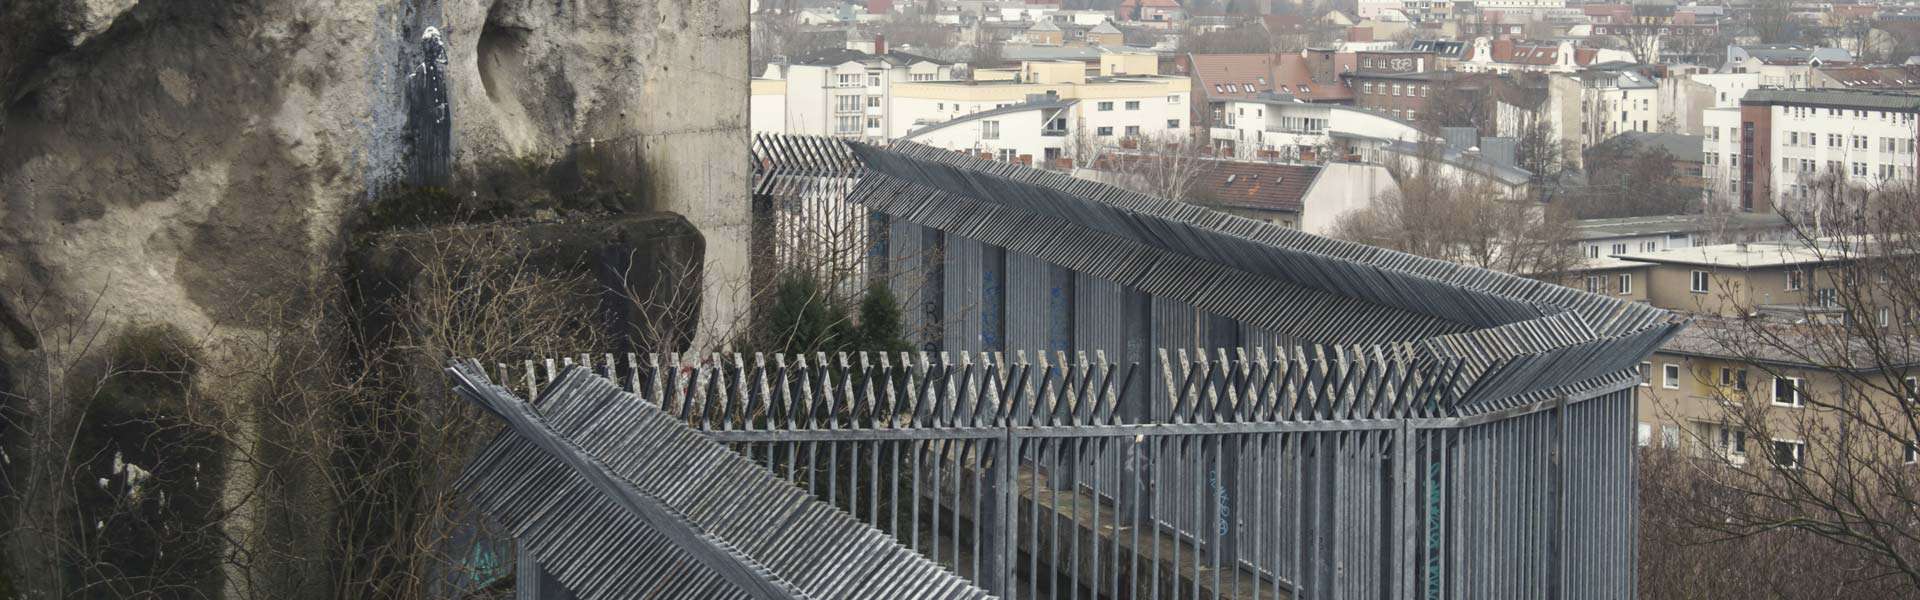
(1359, 34)
(879, 44)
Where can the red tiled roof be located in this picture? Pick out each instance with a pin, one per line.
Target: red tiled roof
(1246, 76)
(1256, 185)
(1228, 76)
(1875, 76)
(1506, 51)
(1236, 184)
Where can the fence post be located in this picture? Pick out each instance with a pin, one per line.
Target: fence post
(1557, 503)
(1000, 519)
(1402, 584)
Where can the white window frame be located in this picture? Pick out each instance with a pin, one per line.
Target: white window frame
(1799, 452)
(990, 130)
(1701, 282)
(1799, 399)
(1626, 283)
(1646, 374)
(1104, 106)
(1133, 105)
(1670, 376)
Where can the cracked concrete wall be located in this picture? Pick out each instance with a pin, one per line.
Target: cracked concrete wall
(181, 159)
(190, 162)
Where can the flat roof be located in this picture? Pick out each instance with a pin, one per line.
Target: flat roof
(1600, 229)
(1753, 255)
(1836, 97)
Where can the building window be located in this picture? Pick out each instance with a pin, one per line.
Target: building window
(873, 122)
(1700, 282)
(1619, 248)
(1731, 440)
(1106, 106)
(1646, 374)
(847, 125)
(1133, 105)
(849, 80)
(1827, 297)
(1643, 435)
(1104, 131)
(1910, 454)
(1133, 131)
(1593, 251)
(1173, 123)
(1735, 379)
(1173, 99)
(989, 130)
(1669, 436)
(1670, 376)
(1787, 454)
(1795, 279)
(873, 81)
(1786, 392)
(873, 102)
(847, 103)
(1593, 284)
(1626, 283)
(1006, 155)
(1913, 389)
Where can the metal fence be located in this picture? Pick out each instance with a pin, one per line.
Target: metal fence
(1302, 473)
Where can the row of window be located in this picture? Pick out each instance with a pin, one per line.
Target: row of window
(1395, 89)
(1108, 106)
(1597, 284)
(1802, 112)
(1593, 250)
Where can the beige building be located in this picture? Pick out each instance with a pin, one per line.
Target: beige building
(1721, 364)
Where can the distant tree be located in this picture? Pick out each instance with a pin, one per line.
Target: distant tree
(915, 31)
(1626, 180)
(1249, 37)
(1539, 151)
(1459, 102)
(1471, 222)
(1773, 21)
(1166, 167)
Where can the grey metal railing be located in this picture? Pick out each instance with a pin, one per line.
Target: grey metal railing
(1303, 473)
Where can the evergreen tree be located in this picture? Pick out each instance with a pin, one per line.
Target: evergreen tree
(805, 319)
(880, 326)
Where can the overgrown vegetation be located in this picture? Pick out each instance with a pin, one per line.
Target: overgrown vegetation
(146, 472)
(804, 317)
(595, 179)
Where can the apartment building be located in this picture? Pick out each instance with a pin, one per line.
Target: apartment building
(1775, 149)
(1689, 385)
(1313, 75)
(1786, 289)
(1275, 126)
(1035, 133)
(1782, 65)
(1103, 110)
(1601, 239)
(842, 92)
(1505, 55)
(1589, 106)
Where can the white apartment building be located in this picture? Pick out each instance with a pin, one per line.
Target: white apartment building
(1036, 133)
(1278, 127)
(1516, 5)
(843, 93)
(1781, 143)
(1590, 106)
(1782, 65)
(1112, 108)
